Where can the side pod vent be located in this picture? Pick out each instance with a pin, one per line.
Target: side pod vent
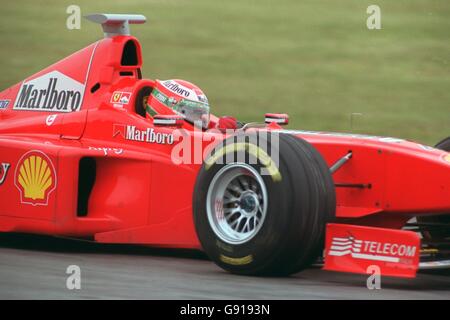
(86, 179)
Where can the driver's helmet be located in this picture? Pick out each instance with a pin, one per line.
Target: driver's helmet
(179, 97)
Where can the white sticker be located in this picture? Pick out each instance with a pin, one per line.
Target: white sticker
(181, 90)
(50, 119)
(52, 92)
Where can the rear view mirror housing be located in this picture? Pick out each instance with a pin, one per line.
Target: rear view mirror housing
(278, 118)
(168, 120)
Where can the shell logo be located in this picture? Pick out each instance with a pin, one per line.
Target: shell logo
(35, 178)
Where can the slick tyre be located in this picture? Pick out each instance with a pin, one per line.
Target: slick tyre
(259, 214)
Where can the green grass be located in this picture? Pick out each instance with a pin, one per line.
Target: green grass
(314, 59)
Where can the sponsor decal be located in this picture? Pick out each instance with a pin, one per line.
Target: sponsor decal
(35, 178)
(161, 97)
(148, 135)
(236, 261)
(120, 97)
(371, 250)
(177, 88)
(50, 119)
(52, 92)
(4, 104)
(352, 248)
(181, 90)
(106, 151)
(4, 171)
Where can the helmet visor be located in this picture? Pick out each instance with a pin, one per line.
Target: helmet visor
(195, 112)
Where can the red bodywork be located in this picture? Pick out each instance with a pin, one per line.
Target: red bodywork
(140, 196)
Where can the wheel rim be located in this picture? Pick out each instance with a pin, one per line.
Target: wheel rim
(236, 203)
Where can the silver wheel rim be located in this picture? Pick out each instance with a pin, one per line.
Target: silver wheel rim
(236, 203)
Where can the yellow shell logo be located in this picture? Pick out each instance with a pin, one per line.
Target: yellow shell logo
(35, 178)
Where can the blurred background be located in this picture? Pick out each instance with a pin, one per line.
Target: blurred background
(313, 59)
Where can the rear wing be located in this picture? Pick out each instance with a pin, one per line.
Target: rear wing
(116, 24)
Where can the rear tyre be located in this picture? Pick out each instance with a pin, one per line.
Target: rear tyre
(263, 224)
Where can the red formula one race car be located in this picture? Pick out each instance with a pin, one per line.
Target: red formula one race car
(89, 149)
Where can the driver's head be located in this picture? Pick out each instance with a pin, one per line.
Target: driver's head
(179, 97)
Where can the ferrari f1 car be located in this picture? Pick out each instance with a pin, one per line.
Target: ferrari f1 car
(81, 156)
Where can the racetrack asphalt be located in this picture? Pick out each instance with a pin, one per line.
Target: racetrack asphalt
(34, 267)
